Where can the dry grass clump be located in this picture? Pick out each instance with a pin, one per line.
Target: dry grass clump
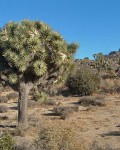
(3, 109)
(33, 104)
(96, 146)
(1, 88)
(12, 95)
(24, 145)
(53, 91)
(59, 109)
(17, 132)
(7, 89)
(65, 115)
(3, 99)
(58, 136)
(91, 101)
(110, 86)
(75, 108)
(118, 90)
(64, 111)
(50, 102)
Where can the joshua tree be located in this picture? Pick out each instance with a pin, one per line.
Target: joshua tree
(32, 54)
(101, 63)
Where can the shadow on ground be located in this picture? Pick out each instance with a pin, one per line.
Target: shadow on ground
(112, 133)
(7, 126)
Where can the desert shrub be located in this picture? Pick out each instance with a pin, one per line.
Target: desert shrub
(58, 137)
(6, 142)
(52, 91)
(64, 111)
(41, 97)
(7, 89)
(50, 102)
(25, 145)
(118, 90)
(32, 104)
(91, 101)
(117, 85)
(59, 109)
(18, 132)
(3, 99)
(75, 108)
(65, 115)
(3, 109)
(12, 95)
(108, 90)
(96, 146)
(110, 86)
(83, 82)
(1, 89)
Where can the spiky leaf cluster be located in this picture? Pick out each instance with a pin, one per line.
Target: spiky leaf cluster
(101, 63)
(31, 49)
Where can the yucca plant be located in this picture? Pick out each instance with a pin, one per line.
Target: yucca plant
(41, 97)
(32, 54)
(6, 142)
(101, 62)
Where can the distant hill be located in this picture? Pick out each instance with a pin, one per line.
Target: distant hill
(113, 59)
(113, 54)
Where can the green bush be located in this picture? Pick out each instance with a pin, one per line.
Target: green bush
(41, 97)
(6, 142)
(83, 82)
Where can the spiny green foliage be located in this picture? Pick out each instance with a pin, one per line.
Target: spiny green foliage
(83, 82)
(41, 97)
(33, 48)
(6, 142)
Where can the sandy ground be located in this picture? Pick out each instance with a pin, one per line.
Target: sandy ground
(100, 124)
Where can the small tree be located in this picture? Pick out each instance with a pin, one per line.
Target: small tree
(32, 54)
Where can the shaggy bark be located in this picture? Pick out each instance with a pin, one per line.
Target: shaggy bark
(23, 105)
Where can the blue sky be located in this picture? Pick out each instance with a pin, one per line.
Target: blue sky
(94, 24)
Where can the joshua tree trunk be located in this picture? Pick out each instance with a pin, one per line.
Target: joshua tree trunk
(23, 105)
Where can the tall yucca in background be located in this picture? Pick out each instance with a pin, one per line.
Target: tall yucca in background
(32, 54)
